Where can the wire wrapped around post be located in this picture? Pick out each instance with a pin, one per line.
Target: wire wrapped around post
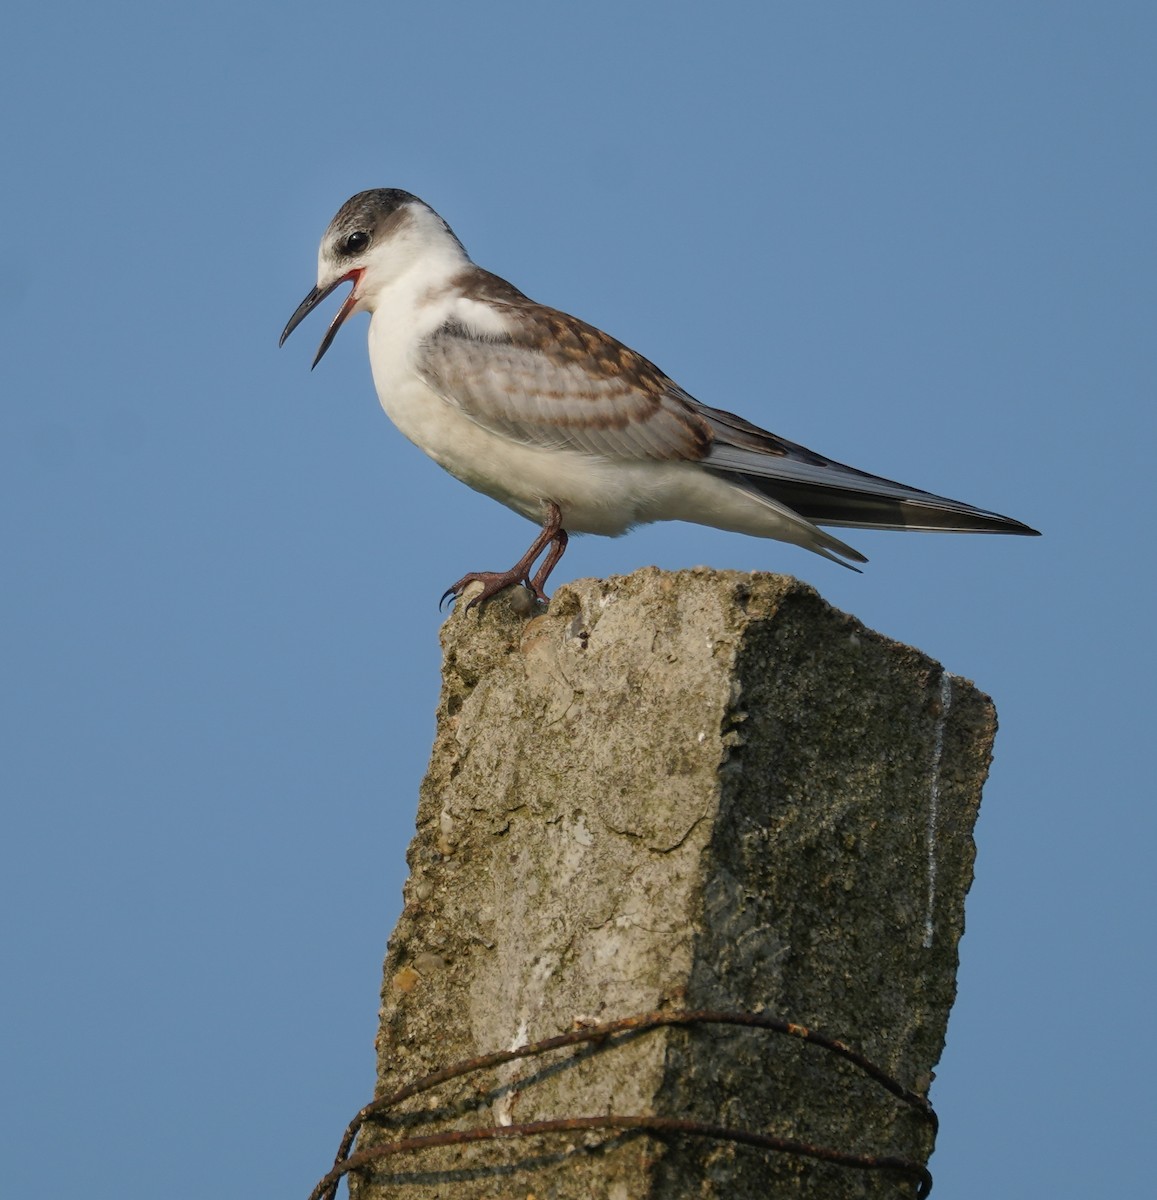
(606, 1034)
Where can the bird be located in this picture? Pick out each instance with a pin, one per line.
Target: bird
(565, 424)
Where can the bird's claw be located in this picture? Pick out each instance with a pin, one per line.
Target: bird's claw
(492, 582)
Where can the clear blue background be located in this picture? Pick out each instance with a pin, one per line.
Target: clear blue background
(919, 238)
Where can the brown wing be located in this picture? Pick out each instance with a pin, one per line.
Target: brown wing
(555, 381)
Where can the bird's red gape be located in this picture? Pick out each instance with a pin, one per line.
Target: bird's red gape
(493, 582)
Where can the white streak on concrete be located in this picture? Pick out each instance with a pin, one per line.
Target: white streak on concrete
(504, 1105)
(934, 801)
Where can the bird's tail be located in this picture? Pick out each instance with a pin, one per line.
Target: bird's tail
(860, 501)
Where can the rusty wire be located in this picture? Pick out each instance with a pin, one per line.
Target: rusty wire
(344, 1161)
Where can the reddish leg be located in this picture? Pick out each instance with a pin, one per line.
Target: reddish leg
(493, 582)
(557, 549)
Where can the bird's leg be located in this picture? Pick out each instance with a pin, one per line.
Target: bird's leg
(557, 549)
(493, 582)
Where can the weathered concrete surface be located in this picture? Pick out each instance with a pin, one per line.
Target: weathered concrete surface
(701, 789)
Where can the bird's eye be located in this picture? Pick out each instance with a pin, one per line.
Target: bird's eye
(356, 242)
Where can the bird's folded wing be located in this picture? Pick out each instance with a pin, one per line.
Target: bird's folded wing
(551, 380)
(556, 382)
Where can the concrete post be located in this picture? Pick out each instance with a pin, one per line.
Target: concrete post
(691, 790)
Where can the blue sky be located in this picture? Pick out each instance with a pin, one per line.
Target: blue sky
(918, 238)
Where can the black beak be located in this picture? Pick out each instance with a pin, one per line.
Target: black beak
(315, 297)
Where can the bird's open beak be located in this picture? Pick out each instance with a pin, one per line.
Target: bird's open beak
(315, 297)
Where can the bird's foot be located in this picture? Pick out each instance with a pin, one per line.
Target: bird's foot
(492, 582)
